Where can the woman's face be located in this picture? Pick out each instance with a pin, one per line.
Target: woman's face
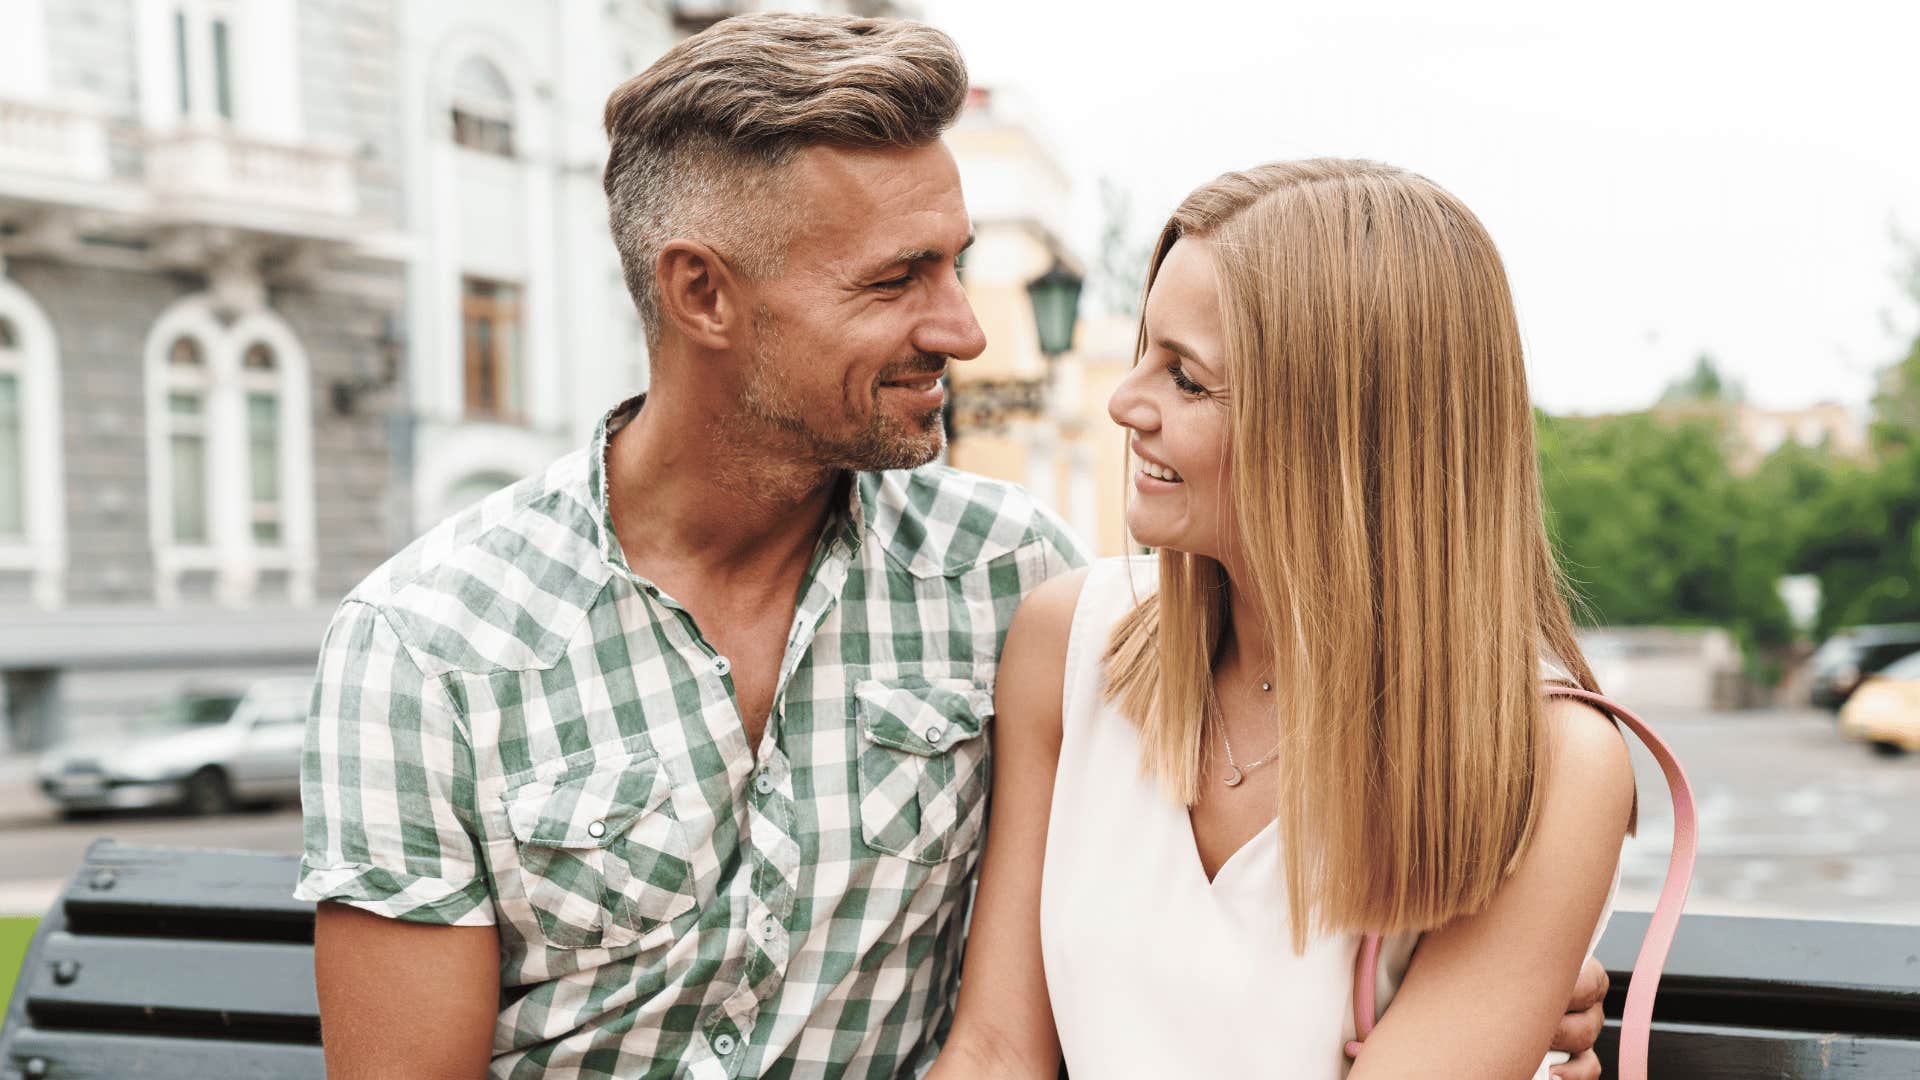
(1174, 403)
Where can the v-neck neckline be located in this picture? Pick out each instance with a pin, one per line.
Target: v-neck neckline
(1200, 865)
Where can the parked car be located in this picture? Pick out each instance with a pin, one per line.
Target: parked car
(1885, 710)
(204, 752)
(1849, 656)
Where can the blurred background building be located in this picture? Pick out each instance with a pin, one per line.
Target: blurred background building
(282, 282)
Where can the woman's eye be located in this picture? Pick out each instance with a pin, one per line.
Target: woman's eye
(1182, 383)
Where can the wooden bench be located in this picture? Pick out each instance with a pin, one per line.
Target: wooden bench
(1745, 999)
(175, 964)
(168, 964)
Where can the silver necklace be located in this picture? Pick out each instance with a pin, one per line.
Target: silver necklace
(1236, 772)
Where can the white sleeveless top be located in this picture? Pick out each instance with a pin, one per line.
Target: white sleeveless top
(1154, 971)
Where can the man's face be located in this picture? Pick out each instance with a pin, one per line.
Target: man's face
(851, 337)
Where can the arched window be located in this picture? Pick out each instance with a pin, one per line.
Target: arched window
(187, 430)
(231, 442)
(260, 377)
(32, 487)
(482, 108)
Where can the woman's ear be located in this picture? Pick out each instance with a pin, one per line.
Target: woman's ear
(700, 295)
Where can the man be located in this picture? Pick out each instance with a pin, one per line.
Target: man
(671, 761)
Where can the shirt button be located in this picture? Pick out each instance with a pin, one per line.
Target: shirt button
(723, 1044)
(769, 929)
(597, 829)
(721, 666)
(935, 734)
(763, 784)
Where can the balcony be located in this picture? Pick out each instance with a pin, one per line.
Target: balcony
(219, 178)
(44, 146)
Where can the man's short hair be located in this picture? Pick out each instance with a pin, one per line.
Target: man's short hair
(698, 137)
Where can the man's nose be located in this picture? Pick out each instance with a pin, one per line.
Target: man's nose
(951, 329)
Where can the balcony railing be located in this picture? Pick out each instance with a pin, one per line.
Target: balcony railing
(242, 173)
(53, 142)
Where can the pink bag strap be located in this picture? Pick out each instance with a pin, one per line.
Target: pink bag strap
(1636, 1020)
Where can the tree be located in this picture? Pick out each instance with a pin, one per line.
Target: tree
(1122, 270)
(1652, 527)
(1703, 384)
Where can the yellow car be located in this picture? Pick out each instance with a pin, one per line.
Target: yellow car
(1885, 711)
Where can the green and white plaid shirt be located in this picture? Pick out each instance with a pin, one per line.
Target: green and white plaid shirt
(510, 727)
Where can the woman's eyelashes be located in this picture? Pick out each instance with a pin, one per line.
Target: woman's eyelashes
(1182, 383)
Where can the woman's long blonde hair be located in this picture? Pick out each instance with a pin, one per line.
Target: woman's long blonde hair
(1389, 521)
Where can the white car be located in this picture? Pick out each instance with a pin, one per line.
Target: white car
(203, 752)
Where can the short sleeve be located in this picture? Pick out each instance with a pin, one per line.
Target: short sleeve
(1064, 550)
(386, 784)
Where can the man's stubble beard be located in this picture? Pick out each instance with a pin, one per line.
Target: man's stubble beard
(883, 443)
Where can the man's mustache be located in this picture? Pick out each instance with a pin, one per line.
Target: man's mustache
(918, 368)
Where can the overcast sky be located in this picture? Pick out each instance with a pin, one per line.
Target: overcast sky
(1662, 179)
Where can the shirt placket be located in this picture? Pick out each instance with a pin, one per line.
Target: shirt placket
(773, 847)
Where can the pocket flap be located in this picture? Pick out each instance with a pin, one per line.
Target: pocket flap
(922, 716)
(590, 810)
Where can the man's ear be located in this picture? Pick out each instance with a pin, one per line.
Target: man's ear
(700, 295)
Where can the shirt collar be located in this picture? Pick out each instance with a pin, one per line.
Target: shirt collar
(848, 523)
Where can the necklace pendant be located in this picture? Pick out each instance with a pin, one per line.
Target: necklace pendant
(1233, 777)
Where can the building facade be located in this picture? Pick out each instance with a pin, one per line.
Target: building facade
(283, 283)
(201, 257)
(523, 334)
(1018, 414)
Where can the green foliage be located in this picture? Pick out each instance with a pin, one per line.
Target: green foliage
(1653, 528)
(1703, 384)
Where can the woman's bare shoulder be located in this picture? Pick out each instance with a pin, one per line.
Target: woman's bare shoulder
(1589, 756)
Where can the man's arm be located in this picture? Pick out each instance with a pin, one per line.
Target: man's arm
(406, 956)
(406, 1001)
(1003, 1024)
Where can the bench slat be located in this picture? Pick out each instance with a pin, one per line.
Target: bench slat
(1713, 1052)
(121, 881)
(92, 1056)
(1812, 957)
(224, 984)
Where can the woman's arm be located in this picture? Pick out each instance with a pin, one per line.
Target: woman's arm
(1483, 993)
(1004, 1024)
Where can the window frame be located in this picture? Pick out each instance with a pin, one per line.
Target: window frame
(487, 306)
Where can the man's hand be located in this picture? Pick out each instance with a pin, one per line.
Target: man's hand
(1580, 1028)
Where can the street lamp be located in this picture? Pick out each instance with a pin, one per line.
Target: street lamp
(1056, 308)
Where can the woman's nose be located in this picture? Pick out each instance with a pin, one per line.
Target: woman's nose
(1130, 406)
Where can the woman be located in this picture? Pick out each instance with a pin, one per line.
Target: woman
(1321, 710)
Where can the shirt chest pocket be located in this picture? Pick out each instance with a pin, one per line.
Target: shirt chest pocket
(603, 862)
(923, 765)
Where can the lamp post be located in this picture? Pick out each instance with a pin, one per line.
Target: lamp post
(1056, 308)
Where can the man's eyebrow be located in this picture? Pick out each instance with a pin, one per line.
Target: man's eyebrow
(916, 255)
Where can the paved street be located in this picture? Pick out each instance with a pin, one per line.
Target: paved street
(1795, 822)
